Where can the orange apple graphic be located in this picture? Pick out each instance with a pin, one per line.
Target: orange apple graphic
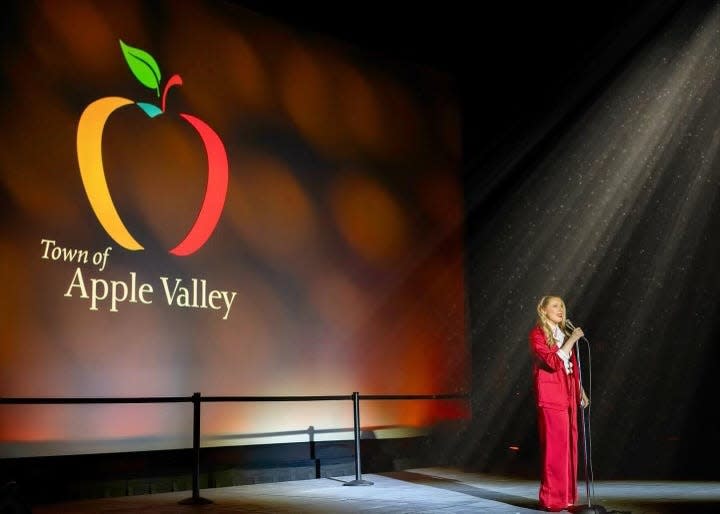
(89, 149)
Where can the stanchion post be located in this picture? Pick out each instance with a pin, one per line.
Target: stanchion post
(196, 499)
(356, 414)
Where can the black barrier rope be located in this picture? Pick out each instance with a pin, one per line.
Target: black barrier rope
(197, 399)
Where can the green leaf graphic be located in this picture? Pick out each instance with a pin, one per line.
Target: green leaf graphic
(143, 66)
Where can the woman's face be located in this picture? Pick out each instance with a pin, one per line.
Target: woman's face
(555, 311)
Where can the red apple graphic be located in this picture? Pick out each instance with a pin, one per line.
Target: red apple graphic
(89, 148)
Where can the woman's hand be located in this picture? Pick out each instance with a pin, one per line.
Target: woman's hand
(584, 400)
(574, 337)
(577, 334)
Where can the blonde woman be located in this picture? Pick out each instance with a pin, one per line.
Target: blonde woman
(558, 393)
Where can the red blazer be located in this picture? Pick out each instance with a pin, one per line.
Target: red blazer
(553, 387)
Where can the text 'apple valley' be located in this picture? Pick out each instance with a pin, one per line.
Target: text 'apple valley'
(178, 292)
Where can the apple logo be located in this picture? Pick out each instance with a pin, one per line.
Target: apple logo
(89, 150)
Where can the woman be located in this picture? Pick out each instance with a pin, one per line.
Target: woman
(558, 392)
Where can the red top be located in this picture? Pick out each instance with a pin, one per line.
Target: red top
(553, 386)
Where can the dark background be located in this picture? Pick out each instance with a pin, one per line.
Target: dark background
(527, 74)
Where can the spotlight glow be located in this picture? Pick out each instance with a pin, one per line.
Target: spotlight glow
(615, 217)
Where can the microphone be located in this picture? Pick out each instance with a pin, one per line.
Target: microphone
(569, 324)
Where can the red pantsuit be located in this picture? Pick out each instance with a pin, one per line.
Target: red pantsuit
(558, 396)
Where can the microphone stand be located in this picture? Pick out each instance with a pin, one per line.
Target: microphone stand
(589, 508)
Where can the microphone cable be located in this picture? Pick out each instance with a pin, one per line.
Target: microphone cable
(587, 430)
(589, 417)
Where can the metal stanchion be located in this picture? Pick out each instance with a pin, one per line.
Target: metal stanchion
(196, 499)
(358, 475)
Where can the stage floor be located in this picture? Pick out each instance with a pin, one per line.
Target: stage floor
(426, 490)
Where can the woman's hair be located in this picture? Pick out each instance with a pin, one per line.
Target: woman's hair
(544, 323)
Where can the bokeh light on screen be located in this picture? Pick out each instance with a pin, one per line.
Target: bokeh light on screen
(341, 233)
(369, 219)
(271, 211)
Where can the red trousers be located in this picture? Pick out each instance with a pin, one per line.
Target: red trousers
(558, 441)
